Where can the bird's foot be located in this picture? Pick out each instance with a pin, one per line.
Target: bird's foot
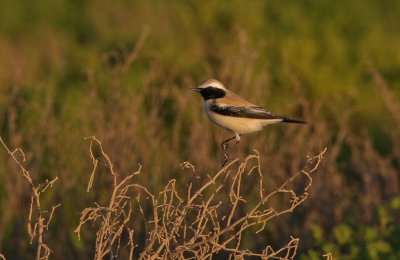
(225, 156)
(225, 148)
(225, 159)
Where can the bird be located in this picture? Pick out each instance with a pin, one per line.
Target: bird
(233, 113)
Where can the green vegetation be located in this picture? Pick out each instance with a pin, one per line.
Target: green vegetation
(121, 70)
(351, 240)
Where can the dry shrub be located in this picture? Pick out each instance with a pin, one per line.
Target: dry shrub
(37, 223)
(200, 222)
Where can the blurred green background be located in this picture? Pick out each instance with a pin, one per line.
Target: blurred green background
(121, 70)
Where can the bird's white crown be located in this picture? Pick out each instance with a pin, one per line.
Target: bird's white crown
(211, 83)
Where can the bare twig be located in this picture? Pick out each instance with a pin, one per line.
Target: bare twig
(35, 232)
(200, 223)
(204, 243)
(116, 215)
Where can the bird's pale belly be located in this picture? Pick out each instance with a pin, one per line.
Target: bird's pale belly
(239, 125)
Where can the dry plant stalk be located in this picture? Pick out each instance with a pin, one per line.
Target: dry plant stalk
(38, 224)
(197, 225)
(115, 216)
(389, 97)
(390, 100)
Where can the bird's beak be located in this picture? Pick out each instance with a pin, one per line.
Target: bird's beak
(196, 89)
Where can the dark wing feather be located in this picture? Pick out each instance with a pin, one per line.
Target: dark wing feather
(254, 112)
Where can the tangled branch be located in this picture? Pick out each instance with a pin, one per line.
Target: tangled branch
(199, 224)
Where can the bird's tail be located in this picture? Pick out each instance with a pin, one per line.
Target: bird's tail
(287, 120)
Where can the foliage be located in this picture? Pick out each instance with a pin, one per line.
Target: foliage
(353, 240)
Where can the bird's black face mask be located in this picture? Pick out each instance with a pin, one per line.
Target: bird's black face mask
(212, 93)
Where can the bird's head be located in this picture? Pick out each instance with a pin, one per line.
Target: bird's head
(211, 89)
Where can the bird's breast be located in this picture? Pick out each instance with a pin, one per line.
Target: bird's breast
(240, 125)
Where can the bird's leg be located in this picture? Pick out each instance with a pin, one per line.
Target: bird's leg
(225, 147)
(237, 136)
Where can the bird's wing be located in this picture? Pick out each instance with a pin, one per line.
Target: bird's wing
(233, 99)
(254, 112)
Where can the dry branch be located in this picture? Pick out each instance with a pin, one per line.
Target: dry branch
(201, 223)
(115, 216)
(36, 224)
